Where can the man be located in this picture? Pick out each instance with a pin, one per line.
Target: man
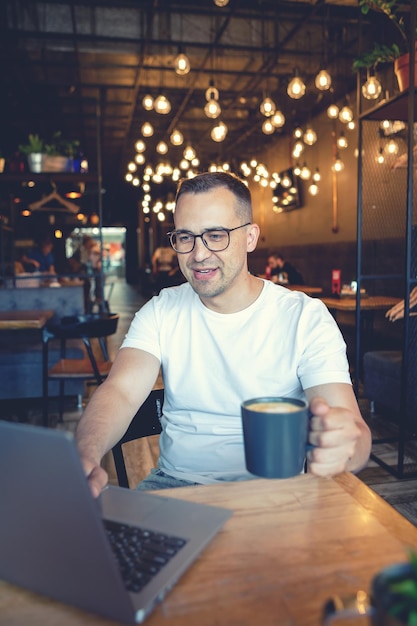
(41, 257)
(163, 262)
(279, 266)
(223, 337)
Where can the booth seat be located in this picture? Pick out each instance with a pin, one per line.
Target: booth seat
(21, 350)
(382, 370)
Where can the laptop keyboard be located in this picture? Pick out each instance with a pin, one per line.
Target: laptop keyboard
(140, 553)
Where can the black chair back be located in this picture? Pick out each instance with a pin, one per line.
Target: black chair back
(145, 423)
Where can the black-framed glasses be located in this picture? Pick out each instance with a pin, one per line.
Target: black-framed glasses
(215, 239)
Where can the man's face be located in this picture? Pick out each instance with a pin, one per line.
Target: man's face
(212, 273)
(273, 262)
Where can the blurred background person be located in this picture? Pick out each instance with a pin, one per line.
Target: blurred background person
(164, 260)
(40, 258)
(396, 312)
(282, 271)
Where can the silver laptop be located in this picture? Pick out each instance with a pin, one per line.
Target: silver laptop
(56, 540)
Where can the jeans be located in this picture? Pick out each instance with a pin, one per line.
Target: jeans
(157, 479)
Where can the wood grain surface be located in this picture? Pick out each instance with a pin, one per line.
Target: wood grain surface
(290, 545)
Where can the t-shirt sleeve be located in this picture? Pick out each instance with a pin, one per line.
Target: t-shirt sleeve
(143, 332)
(323, 356)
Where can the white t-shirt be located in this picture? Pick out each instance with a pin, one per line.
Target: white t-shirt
(283, 343)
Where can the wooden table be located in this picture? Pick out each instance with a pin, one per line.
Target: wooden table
(23, 320)
(290, 545)
(369, 303)
(308, 289)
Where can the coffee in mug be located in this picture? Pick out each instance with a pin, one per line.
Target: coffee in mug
(275, 432)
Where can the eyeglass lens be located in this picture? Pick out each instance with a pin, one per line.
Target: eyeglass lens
(214, 240)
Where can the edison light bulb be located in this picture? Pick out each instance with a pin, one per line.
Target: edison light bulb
(219, 132)
(278, 119)
(333, 111)
(268, 128)
(371, 90)
(162, 105)
(182, 64)
(176, 138)
(310, 136)
(267, 107)
(323, 80)
(296, 88)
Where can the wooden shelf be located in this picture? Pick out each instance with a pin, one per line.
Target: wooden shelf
(395, 108)
(46, 177)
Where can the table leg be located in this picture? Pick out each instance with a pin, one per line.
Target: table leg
(45, 338)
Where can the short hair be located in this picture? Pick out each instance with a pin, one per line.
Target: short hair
(212, 180)
(277, 255)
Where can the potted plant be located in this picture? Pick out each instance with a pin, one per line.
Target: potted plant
(394, 594)
(33, 150)
(60, 154)
(395, 52)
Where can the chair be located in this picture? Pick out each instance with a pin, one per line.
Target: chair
(85, 327)
(145, 423)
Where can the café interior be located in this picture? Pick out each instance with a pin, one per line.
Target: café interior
(105, 107)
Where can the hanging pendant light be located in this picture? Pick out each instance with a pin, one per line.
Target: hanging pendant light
(338, 164)
(346, 114)
(278, 119)
(267, 127)
(317, 175)
(313, 189)
(267, 107)
(392, 147)
(296, 88)
(182, 64)
(140, 146)
(162, 147)
(371, 90)
(147, 129)
(341, 141)
(298, 149)
(189, 153)
(162, 105)
(380, 159)
(323, 80)
(219, 132)
(305, 173)
(212, 108)
(333, 112)
(147, 102)
(221, 3)
(310, 136)
(176, 138)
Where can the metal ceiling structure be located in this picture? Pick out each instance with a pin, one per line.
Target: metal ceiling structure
(83, 66)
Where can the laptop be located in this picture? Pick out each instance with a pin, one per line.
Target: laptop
(58, 541)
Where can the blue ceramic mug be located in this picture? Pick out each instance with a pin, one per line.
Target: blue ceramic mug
(275, 433)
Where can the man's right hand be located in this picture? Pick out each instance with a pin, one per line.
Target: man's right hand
(97, 477)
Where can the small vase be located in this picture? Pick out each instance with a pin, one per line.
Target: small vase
(402, 71)
(35, 162)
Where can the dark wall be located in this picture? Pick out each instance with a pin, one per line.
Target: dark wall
(316, 261)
